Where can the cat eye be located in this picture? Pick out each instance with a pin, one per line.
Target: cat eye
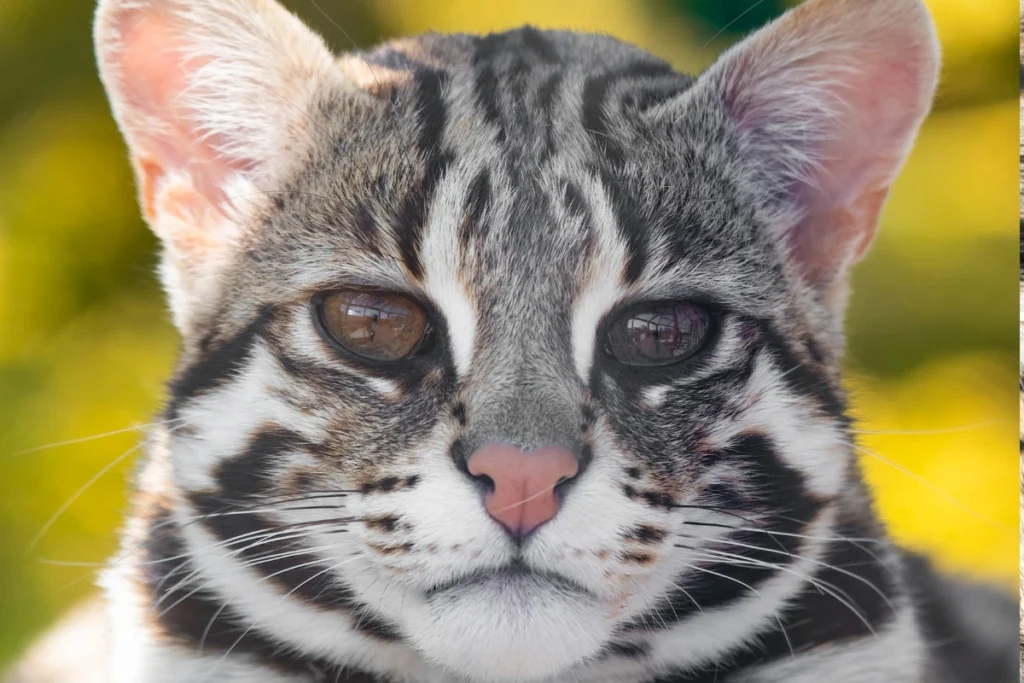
(379, 326)
(658, 334)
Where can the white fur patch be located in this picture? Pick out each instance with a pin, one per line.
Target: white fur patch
(602, 287)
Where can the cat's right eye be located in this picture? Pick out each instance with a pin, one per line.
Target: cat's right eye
(379, 326)
(658, 334)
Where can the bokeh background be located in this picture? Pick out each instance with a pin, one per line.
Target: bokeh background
(85, 342)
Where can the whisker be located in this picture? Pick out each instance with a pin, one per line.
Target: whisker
(271, 558)
(373, 71)
(542, 492)
(70, 563)
(820, 584)
(723, 576)
(737, 18)
(94, 437)
(220, 661)
(785, 635)
(75, 496)
(934, 489)
(854, 540)
(696, 604)
(924, 432)
(209, 626)
(127, 556)
(731, 513)
(318, 574)
(268, 537)
(239, 508)
(870, 585)
(789, 533)
(256, 511)
(264, 536)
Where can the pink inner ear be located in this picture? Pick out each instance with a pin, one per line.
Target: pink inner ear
(832, 95)
(166, 136)
(855, 166)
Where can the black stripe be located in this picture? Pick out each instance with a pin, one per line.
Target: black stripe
(364, 228)
(575, 203)
(596, 121)
(538, 44)
(817, 617)
(632, 224)
(485, 81)
(802, 379)
(327, 377)
(252, 472)
(595, 104)
(545, 100)
(412, 213)
(242, 479)
(774, 492)
(218, 362)
(814, 618)
(630, 650)
(432, 113)
(193, 617)
(407, 374)
(300, 573)
(478, 198)
(257, 548)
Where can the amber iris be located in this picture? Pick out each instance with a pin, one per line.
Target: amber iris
(658, 334)
(376, 325)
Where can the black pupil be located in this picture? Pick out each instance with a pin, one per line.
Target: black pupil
(659, 335)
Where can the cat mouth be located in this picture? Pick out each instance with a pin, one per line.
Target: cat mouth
(516, 576)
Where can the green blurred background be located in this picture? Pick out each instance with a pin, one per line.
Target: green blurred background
(85, 342)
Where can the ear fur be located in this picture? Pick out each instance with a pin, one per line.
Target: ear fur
(212, 97)
(826, 102)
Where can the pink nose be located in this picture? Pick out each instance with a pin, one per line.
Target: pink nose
(524, 482)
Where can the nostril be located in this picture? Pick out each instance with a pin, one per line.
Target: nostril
(524, 488)
(561, 488)
(485, 481)
(569, 479)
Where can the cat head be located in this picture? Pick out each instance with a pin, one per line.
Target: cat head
(505, 328)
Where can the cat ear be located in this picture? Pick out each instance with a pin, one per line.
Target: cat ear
(212, 97)
(827, 101)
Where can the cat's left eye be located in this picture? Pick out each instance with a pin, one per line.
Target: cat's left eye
(658, 334)
(379, 326)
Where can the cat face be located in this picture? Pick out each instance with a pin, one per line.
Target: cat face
(495, 349)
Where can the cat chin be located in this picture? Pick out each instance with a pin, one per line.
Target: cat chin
(504, 631)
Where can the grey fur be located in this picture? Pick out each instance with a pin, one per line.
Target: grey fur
(533, 168)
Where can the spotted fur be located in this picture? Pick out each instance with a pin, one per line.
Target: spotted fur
(304, 517)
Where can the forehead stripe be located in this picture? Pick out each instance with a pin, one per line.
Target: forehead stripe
(433, 119)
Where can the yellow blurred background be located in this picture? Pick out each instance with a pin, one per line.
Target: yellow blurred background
(85, 342)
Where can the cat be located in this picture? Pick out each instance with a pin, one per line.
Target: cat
(1020, 585)
(517, 358)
